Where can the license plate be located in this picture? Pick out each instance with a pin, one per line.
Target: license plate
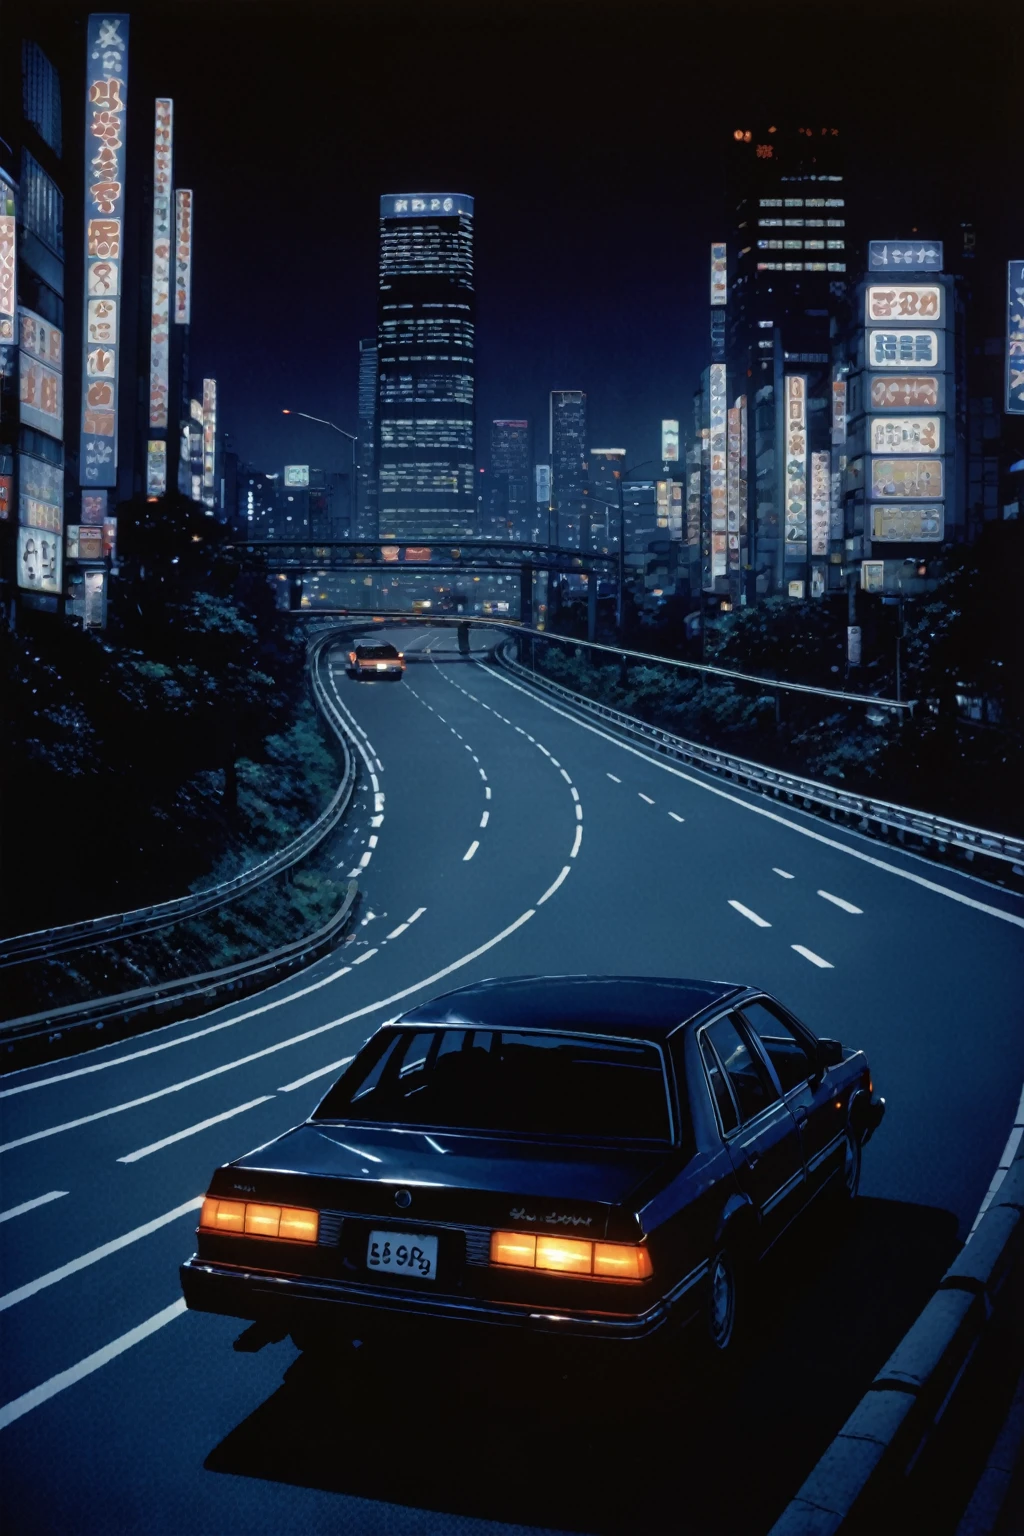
(382, 666)
(403, 1253)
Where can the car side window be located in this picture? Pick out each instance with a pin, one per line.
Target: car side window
(749, 1080)
(785, 1050)
(719, 1086)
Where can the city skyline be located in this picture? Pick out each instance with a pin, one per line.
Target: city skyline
(591, 272)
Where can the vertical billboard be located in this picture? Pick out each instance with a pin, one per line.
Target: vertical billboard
(719, 284)
(693, 509)
(209, 442)
(183, 257)
(156, 467)
(839, 410)
(1015, 338)
(821, 474)
(106, 102)
(41, 370)
(718, 473)
(741, 406)
(160, 318)
(796, 467)
(670, 442)
(8, 264)
(732, 475)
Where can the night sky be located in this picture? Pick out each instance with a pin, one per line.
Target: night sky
(593, 137)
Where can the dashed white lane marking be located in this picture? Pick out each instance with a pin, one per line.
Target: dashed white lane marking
(838, 901)
(553, 887)
(487, 792)
(484, 819)
(555, 763)
(418, 913)
(442, 719)
(577, 842)
(311, 1077)
(31, 1205)
(376, 821)
(613, 778)
(565, 776)
(380, 765)
(542, 748)
(193, 1130)
(760, 810)
(783, 872)
(753, 916)
(645, 797)
(808, 954)
(373, 843)
(367, 856)
(483, 775)
(378, 802)
(470, 851)
(574, 792)
(579, 811)
(42, 1394)
(396, 931)
(676, 817)
(369, 953)
(95, 1254)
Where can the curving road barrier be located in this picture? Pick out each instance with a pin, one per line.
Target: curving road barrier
(938, 834)
(49, 942)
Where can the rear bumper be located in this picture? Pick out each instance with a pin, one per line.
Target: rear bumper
(289, 1304)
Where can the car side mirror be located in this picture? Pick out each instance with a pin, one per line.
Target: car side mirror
(830, 1053)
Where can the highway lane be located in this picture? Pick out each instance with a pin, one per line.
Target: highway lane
(645, 892)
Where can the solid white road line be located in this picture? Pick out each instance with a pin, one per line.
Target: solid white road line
(280, 1045)
(676, 817)
(576, 843)
(1010, 1150)
(196, 1034)
(470, 851)
(613, 778)
(746, 912)
(838, 901)
(484, 819)
(784, 873)
(553, 887)
(31, 1205)
(808, 954)
(193, 1130)
(367, 956)
(95, 1254)
(29, 1400)
(645, 797)
(311, 1077)
(783, 821)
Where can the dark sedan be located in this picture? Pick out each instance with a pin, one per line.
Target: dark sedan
(599, 1157)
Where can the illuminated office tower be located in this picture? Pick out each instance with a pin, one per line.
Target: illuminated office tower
(425, 353)
(365, 525)
(567, 437)
(789, 260)
(512, 489)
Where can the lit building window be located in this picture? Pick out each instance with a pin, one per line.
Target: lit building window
(837, 266)
(836, 245)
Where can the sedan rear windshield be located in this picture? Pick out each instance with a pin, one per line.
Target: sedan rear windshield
(537, 1084)
(377, 652)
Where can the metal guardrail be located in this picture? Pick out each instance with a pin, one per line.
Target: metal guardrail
(55, 1023)
(47, 943)
(944, 833)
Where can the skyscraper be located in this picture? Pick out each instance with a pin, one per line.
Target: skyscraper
(366, 495)
(512, 492)
(425, 345)
(788, 249)
(567, 437)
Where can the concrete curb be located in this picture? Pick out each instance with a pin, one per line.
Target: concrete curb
(885, 1434)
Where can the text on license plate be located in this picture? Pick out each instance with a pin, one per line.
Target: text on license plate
(403, 1253)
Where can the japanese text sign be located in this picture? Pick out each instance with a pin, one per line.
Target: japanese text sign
(903, 302)
(895, 349)
(183, 257)
(159, 336)
(900, 256)
(1015, 338)
(909, 478)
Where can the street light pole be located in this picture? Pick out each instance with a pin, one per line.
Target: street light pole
(353, 439)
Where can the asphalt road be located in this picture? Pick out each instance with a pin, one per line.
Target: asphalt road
(501, 837)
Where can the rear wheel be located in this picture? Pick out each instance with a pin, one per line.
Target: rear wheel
(722, 1312)
(848, 1182)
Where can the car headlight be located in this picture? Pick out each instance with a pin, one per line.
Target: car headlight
(290, 1222)
(571, 1256)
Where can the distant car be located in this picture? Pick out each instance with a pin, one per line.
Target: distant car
(605, 1158)
(376, 660)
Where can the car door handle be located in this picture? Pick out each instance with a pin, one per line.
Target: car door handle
(799, 1114)
(753, 1158)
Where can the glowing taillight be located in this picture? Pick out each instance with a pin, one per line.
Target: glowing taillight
(293, 1223)
(571, 1256)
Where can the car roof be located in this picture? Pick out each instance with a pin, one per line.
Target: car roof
(640, 1007)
